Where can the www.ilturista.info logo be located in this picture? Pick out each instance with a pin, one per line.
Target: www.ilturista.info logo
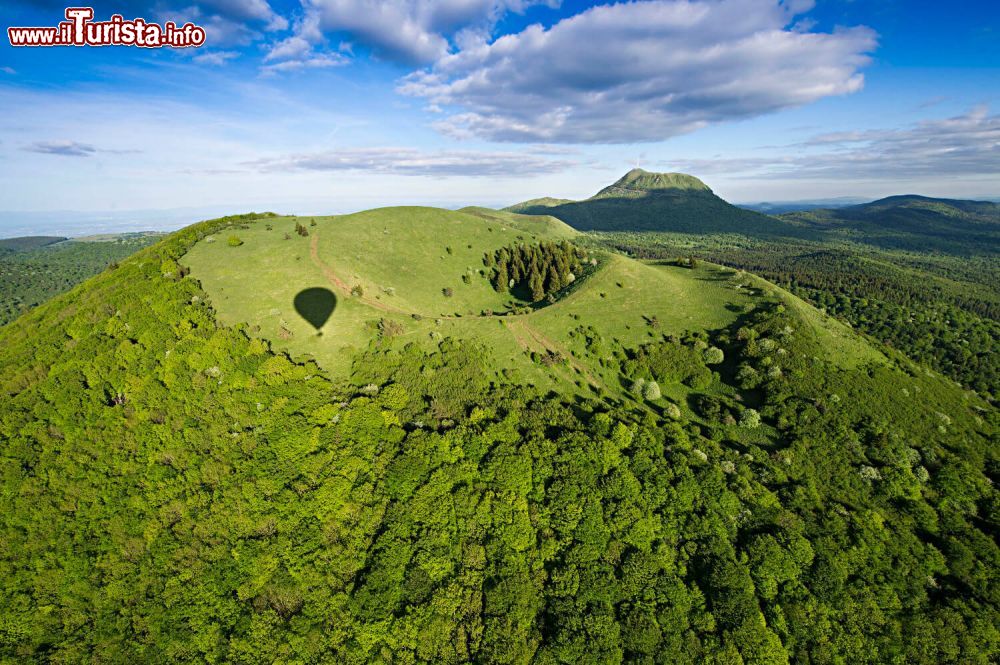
(80, 30)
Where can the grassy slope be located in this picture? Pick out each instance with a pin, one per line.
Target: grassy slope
(544, 202)
(404, 249)
(843, 346)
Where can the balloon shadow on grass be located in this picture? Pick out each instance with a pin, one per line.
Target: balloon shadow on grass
(315, 305)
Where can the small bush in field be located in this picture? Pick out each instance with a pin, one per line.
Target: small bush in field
(651, 391)
(714, 355)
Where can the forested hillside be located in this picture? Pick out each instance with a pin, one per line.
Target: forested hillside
(765, 490)
(941, 310)
(537, 271)
(26, 243)
(644, 201)
(641, 201)
(918, 274)
(34, 269)
(913, 223)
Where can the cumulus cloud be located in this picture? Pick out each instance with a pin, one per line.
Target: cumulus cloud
(246, 10)
(966, 145)
(291, 48)
(407, 31)
(642, 71)
(413, 162)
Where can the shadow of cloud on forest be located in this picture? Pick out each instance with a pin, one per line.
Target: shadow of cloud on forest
(315, 305)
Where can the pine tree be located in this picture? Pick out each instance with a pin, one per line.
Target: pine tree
(554, 282)
(537, 286)
(501, 278)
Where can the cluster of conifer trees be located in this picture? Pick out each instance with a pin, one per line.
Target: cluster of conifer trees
(535, 270)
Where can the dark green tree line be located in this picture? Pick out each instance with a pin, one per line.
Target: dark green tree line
(535, 270)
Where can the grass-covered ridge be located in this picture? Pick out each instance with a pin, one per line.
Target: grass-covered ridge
(177, 489)
(638, 182)
(417, 275)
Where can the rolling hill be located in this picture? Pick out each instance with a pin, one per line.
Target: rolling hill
(641, 201)
(915, 223)
(394, 264)
(420, 435)
(644, 201)
(27, 243)
(536, 204)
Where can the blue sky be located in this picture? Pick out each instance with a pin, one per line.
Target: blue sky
(313, 106)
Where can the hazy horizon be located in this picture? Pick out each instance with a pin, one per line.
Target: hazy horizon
(80, 223)
(329, 105)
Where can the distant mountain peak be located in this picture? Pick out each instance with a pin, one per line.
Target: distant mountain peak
(642, 182)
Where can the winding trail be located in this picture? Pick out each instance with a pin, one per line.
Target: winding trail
(550, 345)
(341, 285)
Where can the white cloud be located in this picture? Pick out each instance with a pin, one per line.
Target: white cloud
(408, 31)
(247, 10)
(641, 71)
(307, 61)
(967, 145)
(291, 48)
(298, 51)
(226, 22)
(413, 162)
(8, 70)
(215, 57)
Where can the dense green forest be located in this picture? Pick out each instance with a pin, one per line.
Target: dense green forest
(176, 490)
(24, 243)
(941, 310)
(33, 269)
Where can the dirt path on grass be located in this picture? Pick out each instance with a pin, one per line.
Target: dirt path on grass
(341, 285)
(525, 334)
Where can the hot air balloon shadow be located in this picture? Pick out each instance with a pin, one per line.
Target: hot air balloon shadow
(315, 305)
